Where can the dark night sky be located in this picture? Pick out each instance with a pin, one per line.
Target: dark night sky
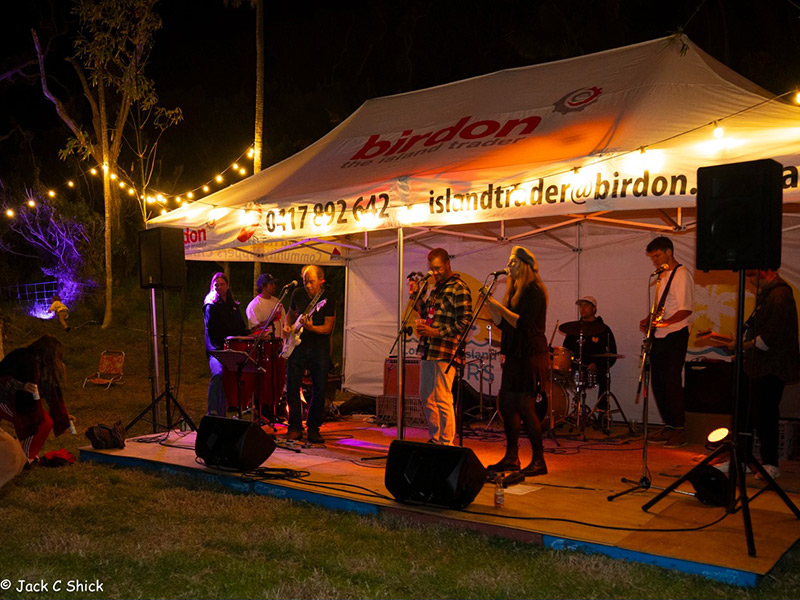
(324, 59)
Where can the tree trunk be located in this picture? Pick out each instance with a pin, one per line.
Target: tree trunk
(258, 137)
(108, 201)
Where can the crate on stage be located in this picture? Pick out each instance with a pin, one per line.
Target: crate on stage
(386, 410)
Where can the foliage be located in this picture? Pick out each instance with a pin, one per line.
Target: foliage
(59, 235)
(112, 48)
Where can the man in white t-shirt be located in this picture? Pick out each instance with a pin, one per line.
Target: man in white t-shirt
(262, 306)
(670, 341)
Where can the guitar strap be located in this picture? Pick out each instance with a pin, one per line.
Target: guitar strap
(663, 299)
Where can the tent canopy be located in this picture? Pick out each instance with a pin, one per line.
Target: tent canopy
(591, 154)
(620, 132)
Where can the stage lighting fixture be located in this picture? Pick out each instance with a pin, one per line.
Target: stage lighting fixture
(717, 437)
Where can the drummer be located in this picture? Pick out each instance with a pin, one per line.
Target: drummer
(597, 339)
(264, 305)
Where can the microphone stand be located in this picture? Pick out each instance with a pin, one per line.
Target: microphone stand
(404, 331)
(462, 340)
(644, 482)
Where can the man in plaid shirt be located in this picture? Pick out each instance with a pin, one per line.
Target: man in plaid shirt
(445, 315)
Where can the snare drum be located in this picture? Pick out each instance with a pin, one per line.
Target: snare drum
(562, 359)
(584, 378)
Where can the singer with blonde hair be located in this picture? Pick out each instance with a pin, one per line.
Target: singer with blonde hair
(521, 317)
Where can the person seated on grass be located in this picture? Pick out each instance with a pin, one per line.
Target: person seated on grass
(31, 374)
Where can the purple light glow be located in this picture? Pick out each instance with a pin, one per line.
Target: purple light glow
(40, 311)
(363, 445)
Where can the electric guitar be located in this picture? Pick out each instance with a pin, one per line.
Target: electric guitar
(293, 339)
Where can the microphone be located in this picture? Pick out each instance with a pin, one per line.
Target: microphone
(505, 271)
(291, 284)
(660, 270)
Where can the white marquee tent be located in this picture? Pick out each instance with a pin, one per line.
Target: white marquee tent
(581, 160)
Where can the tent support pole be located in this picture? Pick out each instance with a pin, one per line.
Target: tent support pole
(401, 345)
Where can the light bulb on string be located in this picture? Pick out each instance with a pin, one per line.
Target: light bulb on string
(218, 178)
(205, 188)
(51, 193)
(10, 213)
(31, 202)
(189, 195)
(718, 131)
(71, 183)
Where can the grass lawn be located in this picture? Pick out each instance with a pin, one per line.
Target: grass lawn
(146, 535)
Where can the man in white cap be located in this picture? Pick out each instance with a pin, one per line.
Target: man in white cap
(261, 307)
(597, 339)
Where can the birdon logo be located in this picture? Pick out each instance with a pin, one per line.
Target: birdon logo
(577, 100)
(194, 236)
(466, 132)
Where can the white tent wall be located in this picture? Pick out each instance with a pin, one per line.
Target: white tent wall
(610, 265)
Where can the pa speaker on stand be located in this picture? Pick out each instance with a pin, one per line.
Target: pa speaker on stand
(739, 216)
(162, 265)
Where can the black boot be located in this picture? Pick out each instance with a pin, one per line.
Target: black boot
(509, 462)
(533, 428)
(537, 466)
(508, 412)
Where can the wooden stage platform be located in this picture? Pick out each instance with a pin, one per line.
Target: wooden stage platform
(565, 509)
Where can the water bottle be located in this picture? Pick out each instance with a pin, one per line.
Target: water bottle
(499, 492)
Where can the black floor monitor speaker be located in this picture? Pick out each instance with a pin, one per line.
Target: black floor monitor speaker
(161, 259)
(739, 212)
(449, 476)
(232, 443)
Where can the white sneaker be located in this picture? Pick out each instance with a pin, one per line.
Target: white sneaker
(771, 470)
(725, 467)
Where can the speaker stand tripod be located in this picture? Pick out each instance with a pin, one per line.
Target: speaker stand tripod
(166, 395)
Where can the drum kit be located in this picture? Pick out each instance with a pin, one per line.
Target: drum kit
(570, 379)
(253, 373)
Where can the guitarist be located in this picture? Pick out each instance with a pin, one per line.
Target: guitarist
(313, 351)
(670, 340)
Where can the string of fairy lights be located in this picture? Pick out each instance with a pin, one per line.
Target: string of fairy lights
(152, 199)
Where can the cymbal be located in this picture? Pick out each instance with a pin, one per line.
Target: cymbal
(608, 355)
(589, 328)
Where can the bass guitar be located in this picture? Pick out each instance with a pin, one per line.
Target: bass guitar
(293, 339)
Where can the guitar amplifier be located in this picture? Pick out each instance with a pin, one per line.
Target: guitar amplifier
(709, 386)
(411, 377)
